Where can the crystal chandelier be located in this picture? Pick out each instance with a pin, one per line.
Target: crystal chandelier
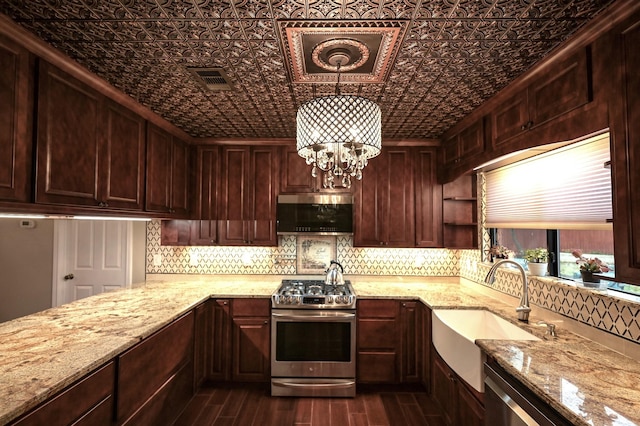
(338, 134)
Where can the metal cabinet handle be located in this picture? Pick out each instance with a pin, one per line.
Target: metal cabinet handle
(68, 277)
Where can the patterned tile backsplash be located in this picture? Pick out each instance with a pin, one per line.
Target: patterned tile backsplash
(598, 309)
(281, 260)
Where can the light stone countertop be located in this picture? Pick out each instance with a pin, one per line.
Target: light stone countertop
(43, 353)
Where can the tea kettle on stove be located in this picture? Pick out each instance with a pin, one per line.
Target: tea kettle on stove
(334, 277)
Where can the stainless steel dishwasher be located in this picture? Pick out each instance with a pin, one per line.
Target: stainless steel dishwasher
(509, 403)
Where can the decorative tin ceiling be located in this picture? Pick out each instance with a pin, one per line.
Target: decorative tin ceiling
(452, 55)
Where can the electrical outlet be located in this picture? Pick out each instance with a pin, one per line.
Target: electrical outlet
(157, 260)
(194, 259)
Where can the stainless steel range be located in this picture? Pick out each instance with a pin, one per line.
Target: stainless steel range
(313, 339)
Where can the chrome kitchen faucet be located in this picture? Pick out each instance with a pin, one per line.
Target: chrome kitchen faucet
(524, 309)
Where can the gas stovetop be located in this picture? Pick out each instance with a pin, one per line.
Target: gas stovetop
(313, 294)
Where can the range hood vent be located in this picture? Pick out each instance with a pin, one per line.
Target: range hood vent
(213, 79)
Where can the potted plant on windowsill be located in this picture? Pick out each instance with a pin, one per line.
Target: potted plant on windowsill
(588, 267)
(537, 261)
(498, 252)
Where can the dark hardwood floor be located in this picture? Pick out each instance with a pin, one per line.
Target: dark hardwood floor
(251, 404)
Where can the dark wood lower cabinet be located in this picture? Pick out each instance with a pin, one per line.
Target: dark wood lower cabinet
(389, 341)
(251, 337)
(460, 404)
(88, 402)
(155, 377)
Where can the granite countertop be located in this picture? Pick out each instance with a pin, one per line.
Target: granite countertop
(43, 353)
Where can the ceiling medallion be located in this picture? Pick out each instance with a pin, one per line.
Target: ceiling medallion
(313, 49)
(350, 54)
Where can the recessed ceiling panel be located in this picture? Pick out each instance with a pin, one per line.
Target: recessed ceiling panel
(365, 50)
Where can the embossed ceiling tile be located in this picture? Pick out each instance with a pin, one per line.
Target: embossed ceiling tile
(259, 29)
(426, 30)
(492, 29)
(472, 9)
(149, 9)
(435, 9)
(319, 9)
(397, 9)
(511, 9)
(252, 9)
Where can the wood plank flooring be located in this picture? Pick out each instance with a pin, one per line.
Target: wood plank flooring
(252, 404)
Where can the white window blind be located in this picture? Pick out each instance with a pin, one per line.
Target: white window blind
(567, 188)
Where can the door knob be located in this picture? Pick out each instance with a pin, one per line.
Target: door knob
(68, 277)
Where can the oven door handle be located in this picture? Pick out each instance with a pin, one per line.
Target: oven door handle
(328, 316)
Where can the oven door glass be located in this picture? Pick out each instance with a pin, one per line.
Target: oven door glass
(313, 341)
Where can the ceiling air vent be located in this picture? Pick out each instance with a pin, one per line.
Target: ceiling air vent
(214, 79)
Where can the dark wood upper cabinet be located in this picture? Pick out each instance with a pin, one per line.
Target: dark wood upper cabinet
(625, 139)
(159, 163)
(122, 159)
(69, 138)
(428, 199)
(464, 144)
(295, 173)
(16, 121)
(204, 229)
(564, 86)
(384, 201)
(167, 173)
(90, 150)
(248, 189)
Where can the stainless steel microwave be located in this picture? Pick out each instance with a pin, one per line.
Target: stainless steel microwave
(323, 214)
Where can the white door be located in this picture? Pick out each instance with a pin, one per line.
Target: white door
(90, 257)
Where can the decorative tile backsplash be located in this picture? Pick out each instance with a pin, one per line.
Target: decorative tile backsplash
(281, 260)
(598, 309)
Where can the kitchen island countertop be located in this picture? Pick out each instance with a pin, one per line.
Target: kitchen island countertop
(41, 354)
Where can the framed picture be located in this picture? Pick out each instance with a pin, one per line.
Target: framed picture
(314, 254)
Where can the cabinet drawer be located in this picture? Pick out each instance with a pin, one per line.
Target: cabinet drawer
(251, 308)
(89, 401)
(377, 367)
(377, 308)
(377, 334)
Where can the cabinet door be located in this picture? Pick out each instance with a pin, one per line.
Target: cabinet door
(510, 118)
(175, 232)
(470, 410)
(384, 201)
(426, 347)
(263, 182)
(220, 341)
(201, 344)
(428, 209)
(204, 229)
(122, 159)
(179, 178)
(159, 146)
(398, 205)
(625, 125)
(564, 87)
(234, 196)
(16, 121)
(411, 335)
(295, 174)
(443, 388)
(68, 139)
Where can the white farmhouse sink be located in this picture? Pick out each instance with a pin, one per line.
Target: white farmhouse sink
(454, 332)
